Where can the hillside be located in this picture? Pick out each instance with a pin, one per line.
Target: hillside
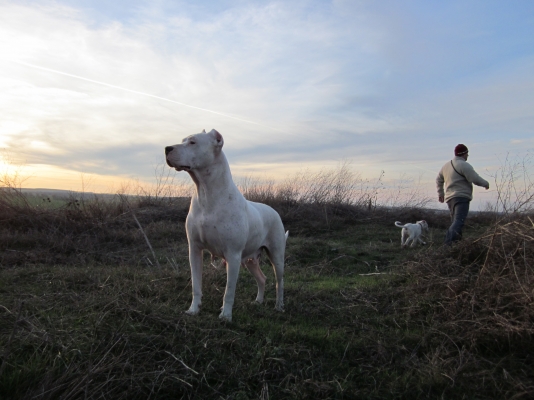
(86, 310)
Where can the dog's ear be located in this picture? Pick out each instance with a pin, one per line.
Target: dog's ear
(219, 141)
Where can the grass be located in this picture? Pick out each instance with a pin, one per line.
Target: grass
(86, 313)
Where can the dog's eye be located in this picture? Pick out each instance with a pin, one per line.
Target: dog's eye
(192, 142)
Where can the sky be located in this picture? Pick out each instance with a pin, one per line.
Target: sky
(98, 88)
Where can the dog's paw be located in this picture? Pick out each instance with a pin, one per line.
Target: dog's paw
(225, 317)
(279, 307)
(193, 311)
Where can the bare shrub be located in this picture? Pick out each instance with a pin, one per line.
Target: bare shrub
(484, 285)
(515, 185)
(339, 186)
(165, 190)
(255, 189)
(404, 192)
(474, 302)
(336, 186)
(86, 228)
(319, 199)
(11, 181)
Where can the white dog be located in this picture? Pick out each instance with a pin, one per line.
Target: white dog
(223, 222)
(412, 233)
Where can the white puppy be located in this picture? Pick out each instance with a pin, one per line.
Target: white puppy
(412, 233)
(223, 222)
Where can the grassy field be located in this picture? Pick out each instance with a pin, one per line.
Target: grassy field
(86, 311)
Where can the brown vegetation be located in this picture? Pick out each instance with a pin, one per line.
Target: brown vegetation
(477, 301)
(86, 312)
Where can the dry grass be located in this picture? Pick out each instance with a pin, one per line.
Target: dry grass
(484, 285)
(477, 303)
(86, 313)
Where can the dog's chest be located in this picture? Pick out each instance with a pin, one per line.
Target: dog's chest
(214, 229)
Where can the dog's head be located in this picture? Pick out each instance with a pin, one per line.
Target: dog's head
(424, 225)
(195, 151)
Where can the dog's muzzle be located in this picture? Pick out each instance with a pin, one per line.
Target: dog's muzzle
(168, 149)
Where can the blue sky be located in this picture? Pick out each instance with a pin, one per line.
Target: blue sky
(100, 87)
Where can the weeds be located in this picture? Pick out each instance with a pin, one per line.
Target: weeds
(514, 185)
(477, 302)
(84, 312)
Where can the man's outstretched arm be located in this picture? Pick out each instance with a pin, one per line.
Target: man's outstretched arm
(439, 185)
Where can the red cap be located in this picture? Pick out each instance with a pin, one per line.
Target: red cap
(460, 150)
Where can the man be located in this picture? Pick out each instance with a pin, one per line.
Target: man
(458, 177)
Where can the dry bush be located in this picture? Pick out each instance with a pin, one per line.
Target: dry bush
(338, 186)
(334, 197)
(306, 201)
(11, 197)
(85, 229)
(168, 187)
(484, 285)
(257, 190)
(477, 303)
(515, 186)
(404, 193)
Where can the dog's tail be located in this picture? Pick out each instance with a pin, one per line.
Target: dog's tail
(399, 224)
(287, 234)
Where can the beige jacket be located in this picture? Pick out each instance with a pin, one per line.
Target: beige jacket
(458, 183)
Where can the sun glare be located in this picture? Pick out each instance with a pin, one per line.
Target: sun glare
(42, 146)
(4, 165)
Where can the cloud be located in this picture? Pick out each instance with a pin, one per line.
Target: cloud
(233, 64)
(382, 83)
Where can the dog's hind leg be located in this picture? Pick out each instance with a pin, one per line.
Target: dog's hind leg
(233, 263)
(277, 260)
(403, 238)
(253, 265)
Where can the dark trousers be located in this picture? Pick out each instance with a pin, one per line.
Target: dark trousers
(459, 208)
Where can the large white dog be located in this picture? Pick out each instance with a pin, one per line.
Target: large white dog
(223, 222)
(412, 233)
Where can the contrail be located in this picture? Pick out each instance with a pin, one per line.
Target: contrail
(135, 92)
(416, 166)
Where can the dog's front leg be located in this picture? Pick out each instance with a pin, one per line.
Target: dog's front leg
(195, 261)
(233, 264)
